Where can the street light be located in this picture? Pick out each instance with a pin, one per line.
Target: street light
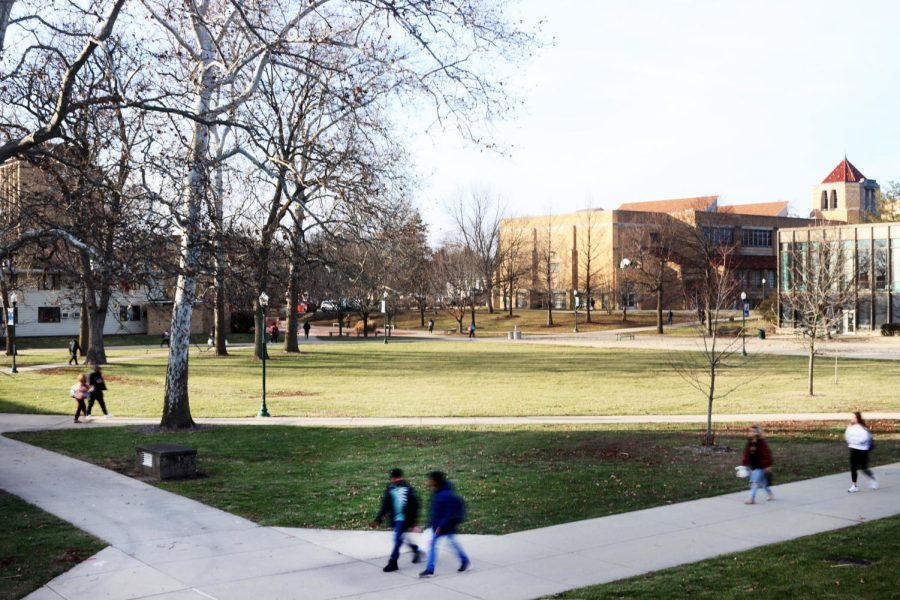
(576, 302)
(11, 320)
(624, 264)
(263, 303)
(764, 288)
(744, 307)
(384, 312)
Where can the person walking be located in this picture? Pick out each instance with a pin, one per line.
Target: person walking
(306, 328)
(430, 326)
(164, 339)
(670, 316)
(859, 440)
(448, 511)
(758, 458)
(80, 391)
(401, 503)
(96, 387)
(74, 349)
(471, 330)
(275, 333)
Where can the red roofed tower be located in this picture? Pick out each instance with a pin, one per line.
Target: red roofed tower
(845, 195)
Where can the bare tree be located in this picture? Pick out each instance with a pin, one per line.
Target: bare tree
(590, 259)
(477, 220)
(457, 271)
(711, 269)
(652, 255)
(547, 264)
(821, 284)
(514, 263)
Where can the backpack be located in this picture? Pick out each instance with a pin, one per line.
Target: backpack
(458, 512)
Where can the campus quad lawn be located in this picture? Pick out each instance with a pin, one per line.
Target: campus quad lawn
(512, 478)
(35, 547)
(529, 321)
(811, 567)
(439, 378)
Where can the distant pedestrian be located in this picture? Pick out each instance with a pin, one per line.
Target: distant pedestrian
(164, 340)
(471, 330)
(859, 440)
(758, 458)
(275, 333)
(448, 511)
(306, 328)
(670, 316)
(79, 392)
(97, 387)
(401, 504)
(74, 349)
(430, 325)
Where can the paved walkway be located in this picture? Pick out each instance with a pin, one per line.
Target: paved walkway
(167, 547)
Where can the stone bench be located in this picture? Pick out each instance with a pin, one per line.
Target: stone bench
(166, 461)
(623, 336)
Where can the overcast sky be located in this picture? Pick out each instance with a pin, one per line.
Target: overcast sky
(651, 99)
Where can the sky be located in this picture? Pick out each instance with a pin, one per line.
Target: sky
(653, 99)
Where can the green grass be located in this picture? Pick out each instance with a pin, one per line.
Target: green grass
(806, 568)
(512, 478)
(35, 547)
(434, 378)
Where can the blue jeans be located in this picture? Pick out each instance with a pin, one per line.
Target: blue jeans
(758, 480)
(432, 553)
(399, 539)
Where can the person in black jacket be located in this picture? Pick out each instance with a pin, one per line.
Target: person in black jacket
(74, 349)
(98, 386)
(448, 511)
(402, 505)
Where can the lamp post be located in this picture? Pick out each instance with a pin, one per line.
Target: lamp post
(624, 264)
(764, 288)
(744, 307)
(263, 303)
(11, 320)
(576, 301)
(384, 298)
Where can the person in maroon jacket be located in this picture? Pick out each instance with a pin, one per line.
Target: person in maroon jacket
(758, 458)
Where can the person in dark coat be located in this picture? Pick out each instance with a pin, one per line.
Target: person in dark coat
(97, 387)
(275, 332)
(758, 458)
(447, 513)
(306, 328)
(74, 349)
(401, 504)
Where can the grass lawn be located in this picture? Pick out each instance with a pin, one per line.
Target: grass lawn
(35, 547)
(529, 321)
(811, 567)
(435, 378)
(512, 478)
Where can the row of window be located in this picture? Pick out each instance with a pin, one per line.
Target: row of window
(869, 312)
(753, 238)
(54, 314)
(866, 260)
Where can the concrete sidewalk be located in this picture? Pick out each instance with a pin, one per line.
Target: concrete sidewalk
(167, 547)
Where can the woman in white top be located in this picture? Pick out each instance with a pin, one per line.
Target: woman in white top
(859, 439)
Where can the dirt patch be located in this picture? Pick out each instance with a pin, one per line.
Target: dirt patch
(61, 370)
(288, 394)
(154, 429)
(128, 380)
(848, 561)
(792, 427)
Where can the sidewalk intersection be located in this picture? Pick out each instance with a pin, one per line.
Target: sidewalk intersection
(168, 547)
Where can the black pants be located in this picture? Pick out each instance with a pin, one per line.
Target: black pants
(859, 460)
(99, 400)
(74, 357)
(80, 409)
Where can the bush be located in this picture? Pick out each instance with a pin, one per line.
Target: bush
(890, 329)
(242, 321)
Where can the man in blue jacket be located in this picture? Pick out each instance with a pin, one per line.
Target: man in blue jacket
(402, 505)
(447, 512)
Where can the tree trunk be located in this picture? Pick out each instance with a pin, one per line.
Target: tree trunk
(365, 320)
(292, 325)
(511, 301)
(96, 354)
(659, 311)
(84, 327)
(219, 326)
(421, 302)
(809, 369)
(489, 290)
(176, 406)
(587, 305)
(709, 403)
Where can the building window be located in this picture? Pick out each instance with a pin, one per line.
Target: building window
(129, 313)
(881, 265)
(863, 256)
(881, 310)
(833, 199)
(824, 200)
(895, 265)
(49, 314)
(757, 238)
(717, 235)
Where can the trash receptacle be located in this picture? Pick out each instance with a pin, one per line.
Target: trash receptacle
(761, 334)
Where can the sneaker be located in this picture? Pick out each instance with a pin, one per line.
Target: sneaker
(465, 565)
(873, 484)
(417, 555)
(853, 488)
(426, 573)
(391, 567)
(77, 421)
(750, 502)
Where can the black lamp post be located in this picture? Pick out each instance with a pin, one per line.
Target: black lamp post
(263, 304)
(744, 306)
(384, 311)
(576, 301)
(11, 320)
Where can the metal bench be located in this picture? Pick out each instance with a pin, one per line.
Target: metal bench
(622, 336)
